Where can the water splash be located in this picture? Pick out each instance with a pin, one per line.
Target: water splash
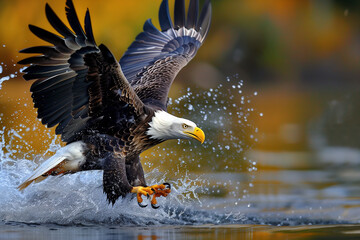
(226, 114)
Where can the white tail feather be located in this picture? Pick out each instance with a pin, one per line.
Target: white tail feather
(72, 153)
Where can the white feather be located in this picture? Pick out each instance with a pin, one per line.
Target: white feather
(73, 153)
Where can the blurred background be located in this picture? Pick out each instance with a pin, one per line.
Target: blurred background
(299, 61)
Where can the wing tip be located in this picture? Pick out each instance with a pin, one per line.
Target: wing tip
(193, 12)
(204, 22)
(88, 27)
(74, 22)
(24, 61)
(31, 27)
(69, 4)
(24, 185)
(164, 16)
(48, 11)
(179, 14)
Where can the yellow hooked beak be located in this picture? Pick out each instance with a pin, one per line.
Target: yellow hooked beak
(198, 134)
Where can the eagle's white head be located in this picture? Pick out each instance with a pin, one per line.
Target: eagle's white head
(165, 126)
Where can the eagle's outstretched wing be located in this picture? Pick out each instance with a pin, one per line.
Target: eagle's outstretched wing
(155, 57)
(76, 79)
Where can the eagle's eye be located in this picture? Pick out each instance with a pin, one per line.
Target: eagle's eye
(185, 126)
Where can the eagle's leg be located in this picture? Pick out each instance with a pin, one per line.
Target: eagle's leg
(115, 183)
(135, 172)
(135, 176)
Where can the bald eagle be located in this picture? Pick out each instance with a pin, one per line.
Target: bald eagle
(109, 112)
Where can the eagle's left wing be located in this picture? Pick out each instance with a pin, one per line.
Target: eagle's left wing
(76, 80)
(155, 57)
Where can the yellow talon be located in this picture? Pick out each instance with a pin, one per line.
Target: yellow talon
(155, 190)
(146, 191)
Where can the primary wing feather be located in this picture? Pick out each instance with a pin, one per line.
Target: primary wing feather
(155, 57)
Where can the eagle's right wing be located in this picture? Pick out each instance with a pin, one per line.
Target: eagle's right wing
(76, 79)
(153, 60)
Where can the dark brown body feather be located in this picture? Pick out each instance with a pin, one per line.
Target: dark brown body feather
(81, 88)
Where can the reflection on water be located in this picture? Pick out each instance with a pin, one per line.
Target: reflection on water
(204, 232)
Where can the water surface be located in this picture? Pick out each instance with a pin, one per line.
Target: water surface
(225, 188)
